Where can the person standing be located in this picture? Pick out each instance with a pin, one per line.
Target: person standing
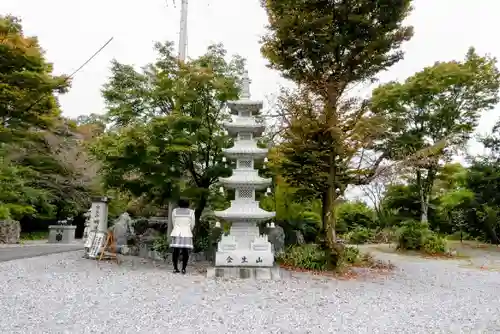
(183, 222)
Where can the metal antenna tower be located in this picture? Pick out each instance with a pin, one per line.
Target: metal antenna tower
(183, 34)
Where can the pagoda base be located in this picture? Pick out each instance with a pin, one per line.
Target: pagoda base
(270, 273)
(244, 258)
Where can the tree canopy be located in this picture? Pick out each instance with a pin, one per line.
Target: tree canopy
(166, 138)
(39, 178)
(327, 47)
(436, 109)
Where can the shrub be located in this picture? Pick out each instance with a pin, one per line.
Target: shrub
(353, 214)
(201, 243)
(162, 246)
(363, 235)
(411, 235)
(310, 226)
(360, 235)
(207, 241)
(351, 255)
(140, 226)
(384, 236)
(42, 235)
(314, 257)
(434, 244)
(308, 256)
(414, 235)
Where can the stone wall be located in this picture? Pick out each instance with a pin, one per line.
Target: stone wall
(10, 232)
(145, 252)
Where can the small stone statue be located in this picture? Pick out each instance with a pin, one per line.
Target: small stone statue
(277, 238)
(122, 229)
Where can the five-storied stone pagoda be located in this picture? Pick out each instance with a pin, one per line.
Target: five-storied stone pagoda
(244, 246)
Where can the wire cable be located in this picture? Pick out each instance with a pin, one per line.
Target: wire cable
(72, 74)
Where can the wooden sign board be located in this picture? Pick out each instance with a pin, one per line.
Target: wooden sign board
(110, 247)
(97, 244)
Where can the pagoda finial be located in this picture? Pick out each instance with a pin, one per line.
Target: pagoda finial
(245, 86)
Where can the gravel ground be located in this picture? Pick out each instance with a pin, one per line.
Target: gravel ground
(64, 293)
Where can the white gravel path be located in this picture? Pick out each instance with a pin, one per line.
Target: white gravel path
(64, 293)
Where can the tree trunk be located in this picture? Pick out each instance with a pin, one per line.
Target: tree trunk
(330, 201)
(425, 188)
(200, 231)
(171, 207)
(331, 219)
(200, 207)
(324, 209)
(424, 208)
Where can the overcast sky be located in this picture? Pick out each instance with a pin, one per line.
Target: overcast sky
(72, 30)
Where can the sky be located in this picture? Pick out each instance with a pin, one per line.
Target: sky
(71, 31)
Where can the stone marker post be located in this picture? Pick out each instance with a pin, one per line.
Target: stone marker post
(98, 225)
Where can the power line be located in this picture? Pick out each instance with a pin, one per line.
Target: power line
(72, 74)
(88, 60)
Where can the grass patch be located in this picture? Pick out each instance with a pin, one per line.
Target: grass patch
(452, 254)
(29, 236)
(342, 263)
(470, 244)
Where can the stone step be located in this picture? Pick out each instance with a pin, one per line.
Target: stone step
(256, 273)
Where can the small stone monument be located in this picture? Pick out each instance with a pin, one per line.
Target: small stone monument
(63, 232)
(244, 252)
(98, 226)
(277, 238)
(122, 229)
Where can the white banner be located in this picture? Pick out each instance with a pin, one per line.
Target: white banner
(90, 238)
(97, 244)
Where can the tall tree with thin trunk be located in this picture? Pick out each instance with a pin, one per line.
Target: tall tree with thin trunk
(327, 47)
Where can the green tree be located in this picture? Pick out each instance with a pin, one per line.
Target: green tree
(27, 86)
(351, 215)
(436, 110)
(165, 137)
(18, 197)
(327, 47)
(402, 199)
(292, 213)
(483, 180)
(35, 141)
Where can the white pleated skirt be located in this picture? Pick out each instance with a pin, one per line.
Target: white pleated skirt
(182, 242)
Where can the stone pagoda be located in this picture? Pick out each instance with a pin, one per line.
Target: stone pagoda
(245, 246)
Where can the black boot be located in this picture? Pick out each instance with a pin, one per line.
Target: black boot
(175, 259)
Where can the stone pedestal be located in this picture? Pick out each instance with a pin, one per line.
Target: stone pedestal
(62, 234)
(244, 251)
(271, 273)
